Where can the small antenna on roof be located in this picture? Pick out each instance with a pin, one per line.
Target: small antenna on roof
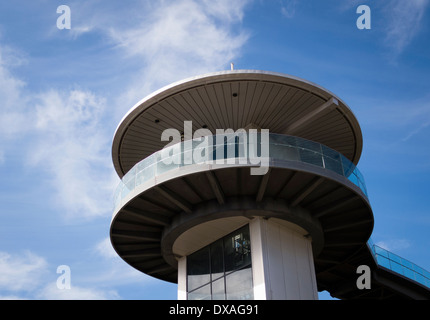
(232, 66)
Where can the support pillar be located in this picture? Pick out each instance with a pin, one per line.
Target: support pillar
(282, 261)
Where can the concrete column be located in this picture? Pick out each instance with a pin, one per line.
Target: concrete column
(282, 261)
(182, 278)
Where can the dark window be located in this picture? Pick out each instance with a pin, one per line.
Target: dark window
(237, 250)
(222, 270)
(198, 269)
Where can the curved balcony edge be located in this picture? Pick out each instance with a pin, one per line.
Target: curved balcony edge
(258, 151)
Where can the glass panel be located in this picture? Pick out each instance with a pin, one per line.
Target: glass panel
(419, 269)
(311, 157)
(202, 150)
(145, 170)
(419, 278)
(333, 165)
(230, 145)
(219, 148)
(145, 163)
(186, 155)
(145, 174)
(239, 285)
(348, 166)
(353, 178)
(217, 259)
(129, 181)
(128, 184)
(409, 273)
(254, 145)
(118, 194)
(396, 267)
(284, 152)
(198, 269)
(394, 257)
(166, 163)
(309, 145)
(275, 139)
(218, 289)
(203, 293)
(129, 176)
(380, 251)
(286, 140)
(330, 153)
(382, 261)
(237, 250)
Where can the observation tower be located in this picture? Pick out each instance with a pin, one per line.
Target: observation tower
(243, 184)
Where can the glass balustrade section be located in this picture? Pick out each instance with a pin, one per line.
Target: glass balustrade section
(393, 262)
(237, 148)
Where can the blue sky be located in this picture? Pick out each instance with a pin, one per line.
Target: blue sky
(63, 93)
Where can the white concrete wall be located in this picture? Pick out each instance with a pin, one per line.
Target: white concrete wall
(282, 261)
(182, 278)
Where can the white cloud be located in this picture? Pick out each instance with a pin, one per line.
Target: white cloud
(11, 297)
(65, 135)
(29, 276)
(116, 270)
(400, 21)
(408, 118)
(180, 33)
(62, 114)
(416, 131)
(21, 272)
(349, 4)
(179, 39)
(51, 292)
(104, 249)
(288, 8)
(12, 120)
(403, 22)
(68, 134)
(71, 144)
(225, 10)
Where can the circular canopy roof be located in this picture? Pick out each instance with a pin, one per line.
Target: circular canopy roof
(237, 99)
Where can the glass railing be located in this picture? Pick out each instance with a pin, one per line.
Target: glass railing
(252, 149)
(399, 265)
